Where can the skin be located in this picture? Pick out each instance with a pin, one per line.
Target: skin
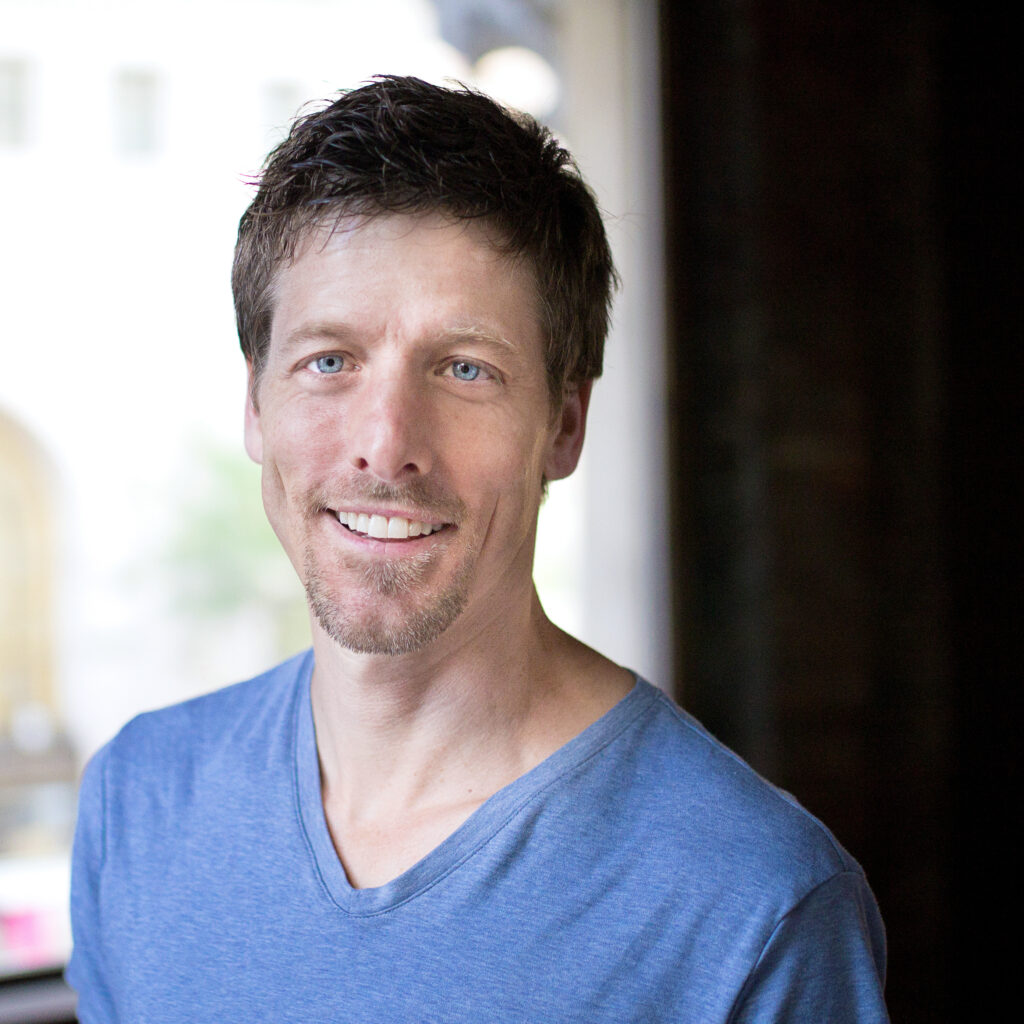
(405, 376)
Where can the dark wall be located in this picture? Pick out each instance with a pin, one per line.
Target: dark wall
(980, 95)
(843, 395)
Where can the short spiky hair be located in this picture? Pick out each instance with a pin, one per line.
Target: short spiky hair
(402, 145)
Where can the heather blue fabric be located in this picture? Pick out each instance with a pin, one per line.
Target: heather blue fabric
(641, 873)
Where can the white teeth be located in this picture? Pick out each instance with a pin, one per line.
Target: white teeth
(385, 527)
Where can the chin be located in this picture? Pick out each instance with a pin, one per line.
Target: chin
(395, 610)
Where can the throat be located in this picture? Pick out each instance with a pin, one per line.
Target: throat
(377, 851)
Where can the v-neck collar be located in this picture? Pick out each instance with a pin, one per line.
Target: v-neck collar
(489, 818)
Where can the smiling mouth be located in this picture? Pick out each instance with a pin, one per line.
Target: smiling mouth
(386, 527)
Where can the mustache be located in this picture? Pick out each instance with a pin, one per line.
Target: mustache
(422, 498)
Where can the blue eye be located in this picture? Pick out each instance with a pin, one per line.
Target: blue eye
(328, 364)
(465, 371)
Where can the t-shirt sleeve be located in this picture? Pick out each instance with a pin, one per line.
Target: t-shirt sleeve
(85, 972)
(824, 963)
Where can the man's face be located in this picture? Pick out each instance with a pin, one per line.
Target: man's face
(404, 425)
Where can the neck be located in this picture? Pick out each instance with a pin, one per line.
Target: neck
(411, 745)
(391, 728)
(487, 700)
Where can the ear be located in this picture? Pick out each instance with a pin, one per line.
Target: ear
(253, 427)
(567, 432)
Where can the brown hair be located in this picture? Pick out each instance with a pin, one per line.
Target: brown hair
(402, 145)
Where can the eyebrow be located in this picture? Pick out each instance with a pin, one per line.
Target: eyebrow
(341, 333)
(327, 330)
(475, 332)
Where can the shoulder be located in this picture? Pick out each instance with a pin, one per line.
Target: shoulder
(731, 873)
(190, 766)
(193, 732)
(700, 802)
(710, 838)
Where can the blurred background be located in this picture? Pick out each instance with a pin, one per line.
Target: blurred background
(799, 503)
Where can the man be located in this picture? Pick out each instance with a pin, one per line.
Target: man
(448, 810)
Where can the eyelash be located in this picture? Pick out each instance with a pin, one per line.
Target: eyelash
(311, 364)
(482, 372)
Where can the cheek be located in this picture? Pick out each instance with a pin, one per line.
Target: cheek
(518, 461)
(275, 504)
(298, 449)
(272, 488)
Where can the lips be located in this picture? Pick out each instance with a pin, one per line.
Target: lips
(386, 527)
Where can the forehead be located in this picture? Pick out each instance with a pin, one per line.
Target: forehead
(391, 273)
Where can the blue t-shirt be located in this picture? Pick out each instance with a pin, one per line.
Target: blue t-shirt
(642, 872)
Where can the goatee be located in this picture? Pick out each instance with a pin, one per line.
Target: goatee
(405, 620)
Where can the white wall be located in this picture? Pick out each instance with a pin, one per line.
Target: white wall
(613, 125)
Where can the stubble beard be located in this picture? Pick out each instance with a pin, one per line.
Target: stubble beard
(396, 626)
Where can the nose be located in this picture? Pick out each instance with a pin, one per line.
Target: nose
(388, 431)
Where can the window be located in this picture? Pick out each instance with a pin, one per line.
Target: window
(136, 103)
(13, 103)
